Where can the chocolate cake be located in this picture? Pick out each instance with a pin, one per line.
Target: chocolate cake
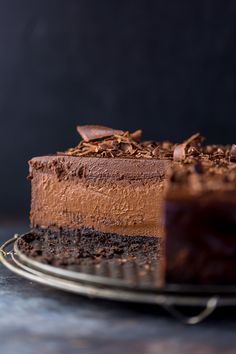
(113, 187)
(110, 183)
(200, 213)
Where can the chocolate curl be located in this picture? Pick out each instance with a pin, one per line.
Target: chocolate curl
(136, 135)
(232, 153)
(94, 132)
(180, 149)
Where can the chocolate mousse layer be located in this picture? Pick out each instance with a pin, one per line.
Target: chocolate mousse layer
(111, 195)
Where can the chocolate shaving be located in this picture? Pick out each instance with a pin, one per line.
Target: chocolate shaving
(94, 132)
(127, 145)
(136, 135)
(180, 149)
(179, 152)
(117, 143)
(232, 154)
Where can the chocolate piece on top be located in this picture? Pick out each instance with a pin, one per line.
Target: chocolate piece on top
(180, 150)
(94, 132)
(136, 135)
(106, 142)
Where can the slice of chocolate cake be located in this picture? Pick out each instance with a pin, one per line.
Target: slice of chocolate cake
(110, 183)
(200, 217)
(114, 187)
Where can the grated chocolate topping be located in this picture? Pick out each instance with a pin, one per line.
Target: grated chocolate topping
(195, 165)
(106, 142)
(211, 169)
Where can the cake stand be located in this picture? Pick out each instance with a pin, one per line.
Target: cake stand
(120, 282)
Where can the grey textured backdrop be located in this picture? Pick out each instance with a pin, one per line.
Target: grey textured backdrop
(166, 66)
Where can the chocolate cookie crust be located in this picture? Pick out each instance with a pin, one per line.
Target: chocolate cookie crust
(65, 248)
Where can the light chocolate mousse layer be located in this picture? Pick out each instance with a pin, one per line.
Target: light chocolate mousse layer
(121, 196)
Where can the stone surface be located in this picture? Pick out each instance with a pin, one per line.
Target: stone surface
(37, 319)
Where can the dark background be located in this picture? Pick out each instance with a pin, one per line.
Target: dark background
(166, 66)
